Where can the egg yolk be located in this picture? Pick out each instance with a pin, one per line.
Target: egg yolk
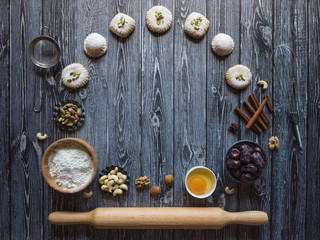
(197, 185)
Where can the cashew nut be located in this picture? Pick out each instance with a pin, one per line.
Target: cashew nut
(41, 137)
(87, 194)
(113, 177)
(109, 184)
(114, 172)
(101, 180)
(115, 187)
(117, 192)
(104, 188)
(229, 191)
(122, 179)
(264, 84)
(124, 187)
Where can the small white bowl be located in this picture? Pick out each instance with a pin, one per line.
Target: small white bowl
(203, 195)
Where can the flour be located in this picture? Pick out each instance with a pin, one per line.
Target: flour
(70, 166)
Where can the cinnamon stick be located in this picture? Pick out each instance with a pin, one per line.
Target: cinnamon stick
(269, 105)
(252, 112)
(255, 102)
(256, 115)
(247, 119)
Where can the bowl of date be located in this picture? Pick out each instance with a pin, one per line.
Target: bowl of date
(245, 161)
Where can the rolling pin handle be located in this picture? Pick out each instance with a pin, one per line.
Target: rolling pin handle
(253, 218)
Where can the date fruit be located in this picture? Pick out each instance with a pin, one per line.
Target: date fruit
(257, 160)
(249, 168)
(235, 153)
(232, 163)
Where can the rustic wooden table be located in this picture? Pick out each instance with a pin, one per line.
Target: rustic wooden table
(158, 105)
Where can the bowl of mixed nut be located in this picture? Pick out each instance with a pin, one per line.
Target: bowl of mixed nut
(68, 115)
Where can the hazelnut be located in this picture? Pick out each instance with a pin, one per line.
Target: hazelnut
(155, 191)
(168, 180)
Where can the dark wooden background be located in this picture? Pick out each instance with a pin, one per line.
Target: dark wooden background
(158, 105)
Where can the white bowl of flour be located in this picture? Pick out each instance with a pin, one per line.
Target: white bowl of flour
(69, 165)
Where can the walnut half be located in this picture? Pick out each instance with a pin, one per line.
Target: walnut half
(274, 143)
(142, 182)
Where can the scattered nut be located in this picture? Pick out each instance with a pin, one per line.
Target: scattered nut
(264, 84)
(229, 191)
(168, 180)
(117, 192)
(41, 137)
(155, 191)
(274, 143)
(87, 194)
(142, 182)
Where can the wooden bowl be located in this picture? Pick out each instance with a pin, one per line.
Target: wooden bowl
(45, 167)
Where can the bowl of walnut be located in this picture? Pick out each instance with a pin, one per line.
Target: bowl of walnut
(245, 161)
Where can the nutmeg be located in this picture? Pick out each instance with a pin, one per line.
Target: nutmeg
(168, 180)
(155, 191)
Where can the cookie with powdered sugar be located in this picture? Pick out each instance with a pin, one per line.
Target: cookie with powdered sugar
(222, 44)
(159, 19)
(95, 45)
(75, 76)
(122, 25)
(238, 76)
(196, 25)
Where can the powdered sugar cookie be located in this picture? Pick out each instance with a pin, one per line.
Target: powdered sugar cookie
(159, 19)
(75, 76)
(95, 45)
(222, 44)
(196, 25)
(122, 25)
(238, 76)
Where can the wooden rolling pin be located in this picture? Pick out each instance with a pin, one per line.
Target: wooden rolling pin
(159, 218)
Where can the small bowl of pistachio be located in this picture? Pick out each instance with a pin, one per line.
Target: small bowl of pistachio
(68, 115)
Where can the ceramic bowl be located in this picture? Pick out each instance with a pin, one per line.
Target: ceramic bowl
(203, 195)
(67, 141)
(56, 116)
(251, 144)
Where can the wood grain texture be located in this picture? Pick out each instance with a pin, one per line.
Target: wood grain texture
(289, 56)
(221, 100)
(5, 203)
(159, 104)
(256, 51)
(312, 215)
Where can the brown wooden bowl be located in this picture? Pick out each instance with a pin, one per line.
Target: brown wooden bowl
(45, 168)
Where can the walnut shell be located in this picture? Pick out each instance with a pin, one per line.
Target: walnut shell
(155, 191)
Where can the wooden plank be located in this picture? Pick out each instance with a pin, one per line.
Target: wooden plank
(26, 198)
(221, 100)
(5, 204)
(312, 229)
(189, 105)
(157, 114)
(256, 51)
(289, 166)
(123, 95)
